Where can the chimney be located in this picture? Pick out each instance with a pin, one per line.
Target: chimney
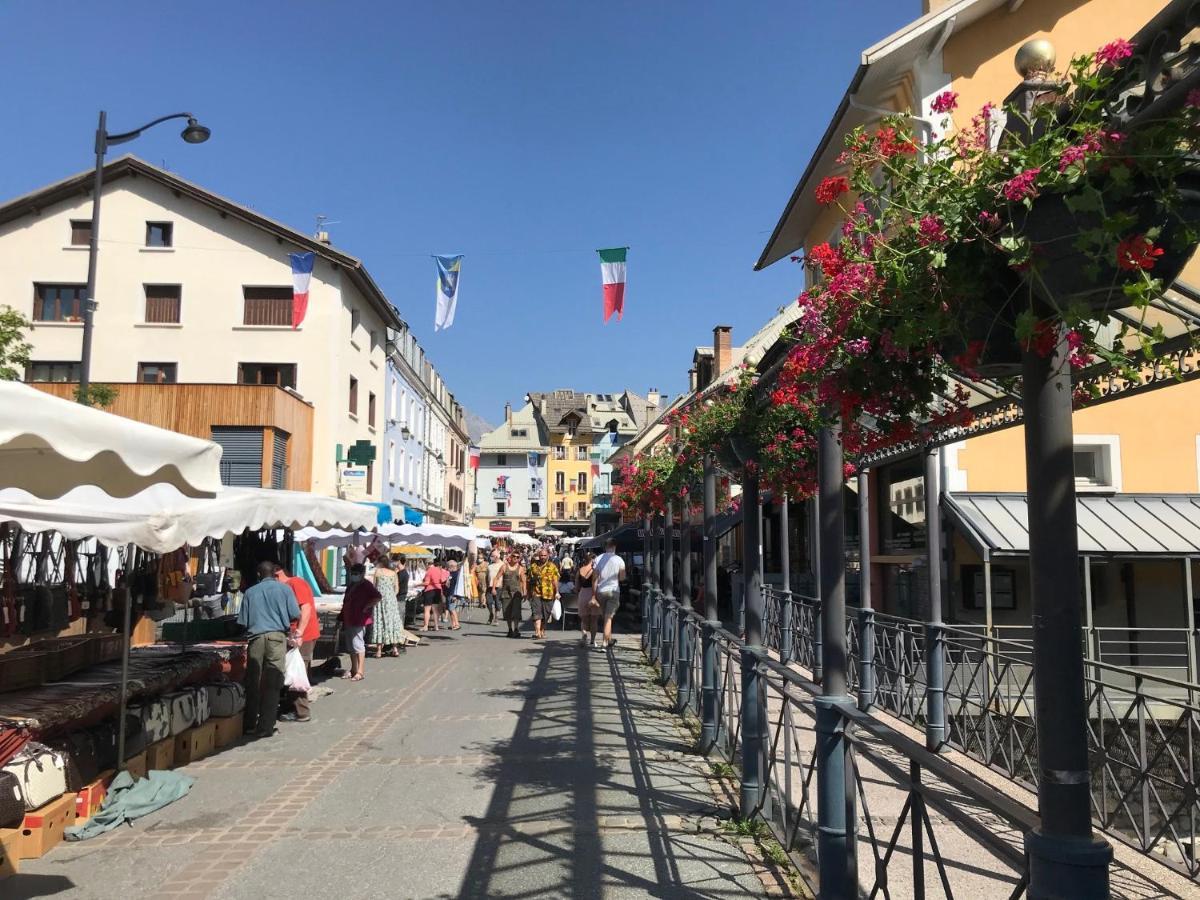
(508, 413)
(693, 380)
(652, 398)
(323, 237)
(722, 349)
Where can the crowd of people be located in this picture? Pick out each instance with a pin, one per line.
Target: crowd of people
(279, 612)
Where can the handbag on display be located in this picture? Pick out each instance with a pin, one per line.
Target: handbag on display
(183, 711)
(156, 719)
(135, 736)
(79, 753)
(41, 772)
(203, 707)
(104, 738)
(226, 699)
(59, 613)
(12, 804)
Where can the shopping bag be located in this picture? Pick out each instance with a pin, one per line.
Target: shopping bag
(556, 610)
(295, 675)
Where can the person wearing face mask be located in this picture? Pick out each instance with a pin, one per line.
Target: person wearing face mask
(357, 605)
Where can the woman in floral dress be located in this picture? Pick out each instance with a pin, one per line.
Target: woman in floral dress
(387, 634)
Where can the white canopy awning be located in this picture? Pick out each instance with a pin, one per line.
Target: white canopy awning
(49, 445)
(161, 519)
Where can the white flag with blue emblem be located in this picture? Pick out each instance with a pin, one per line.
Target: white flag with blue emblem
(447, 290)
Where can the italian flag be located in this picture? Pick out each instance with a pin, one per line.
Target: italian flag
(612, 271)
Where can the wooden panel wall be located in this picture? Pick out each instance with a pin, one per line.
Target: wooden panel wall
(196, 408)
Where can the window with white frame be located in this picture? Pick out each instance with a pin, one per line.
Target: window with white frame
(1097, 460)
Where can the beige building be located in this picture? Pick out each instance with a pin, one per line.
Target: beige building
(196, 289)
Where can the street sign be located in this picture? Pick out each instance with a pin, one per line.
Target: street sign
(352, 482)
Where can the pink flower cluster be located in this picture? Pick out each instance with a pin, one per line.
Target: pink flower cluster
(1114, 52)
(944, 102)
(931, 230)
(1022, 186)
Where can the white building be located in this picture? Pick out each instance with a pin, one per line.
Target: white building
(405, 455)
(511, 479)
(196, 289)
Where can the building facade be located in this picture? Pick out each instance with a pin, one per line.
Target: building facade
(194, 289)
(511, 478)
(405, 453)
(457, 499)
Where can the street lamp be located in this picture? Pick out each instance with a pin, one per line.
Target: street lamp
(193, 133)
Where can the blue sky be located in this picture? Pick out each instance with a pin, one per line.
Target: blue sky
(525, 135)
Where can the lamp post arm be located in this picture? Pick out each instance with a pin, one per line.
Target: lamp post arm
(122, 138)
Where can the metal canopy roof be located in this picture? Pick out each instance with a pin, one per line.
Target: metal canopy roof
(1155, 525)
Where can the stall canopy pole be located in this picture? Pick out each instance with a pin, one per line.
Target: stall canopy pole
(128, 614)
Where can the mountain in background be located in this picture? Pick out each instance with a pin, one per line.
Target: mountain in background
(477, 426)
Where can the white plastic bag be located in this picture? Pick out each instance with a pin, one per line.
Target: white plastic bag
(295, 675)
(556, 610)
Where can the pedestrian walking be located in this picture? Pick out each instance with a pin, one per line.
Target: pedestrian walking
(493, 592)
(608, 573)
(543, 588)
(358, 604)
(387, 630)
(304, 636)
(479, 580)
(432, 594)
(590, 613)
(268, 611)
(403, 580)
(456, 592)
(510, 586)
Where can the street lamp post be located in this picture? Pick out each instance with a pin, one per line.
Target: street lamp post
(194, 133)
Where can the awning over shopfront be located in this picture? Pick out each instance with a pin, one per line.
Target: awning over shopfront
(413, 516)
(383, 511)
(49, 445)
(1145, 525)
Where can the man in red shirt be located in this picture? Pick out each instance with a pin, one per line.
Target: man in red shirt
(307, 630)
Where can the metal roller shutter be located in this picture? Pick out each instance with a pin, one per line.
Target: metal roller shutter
(279, 467)
(241, 459)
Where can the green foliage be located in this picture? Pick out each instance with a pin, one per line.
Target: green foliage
(722, 769)
(14, 349)
(99, 395)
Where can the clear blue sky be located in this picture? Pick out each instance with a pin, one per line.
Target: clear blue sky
(524, 134)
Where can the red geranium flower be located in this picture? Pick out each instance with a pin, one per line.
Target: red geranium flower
(944, 102)
(1112, 53)
(832, 188)
(1137, 252)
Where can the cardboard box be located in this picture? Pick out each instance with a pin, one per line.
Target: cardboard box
(229, 729)
(195, 743)
(136, 765)
(43, 828)
(161, 755)
(10, 854)
(91, 797)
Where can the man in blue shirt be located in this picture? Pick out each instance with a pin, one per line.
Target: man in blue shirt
(268, 612)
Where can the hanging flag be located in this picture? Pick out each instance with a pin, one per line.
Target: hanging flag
(302, 266)
(447, 290)
(474, 457)
(612, 271)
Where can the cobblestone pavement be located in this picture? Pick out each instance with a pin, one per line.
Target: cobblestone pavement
(472, 767)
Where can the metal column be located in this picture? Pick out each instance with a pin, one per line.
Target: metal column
(753, 733)
(683, 644)
(935, 634)
(669, 648)
(836, 818)
(864, 540)
(1065, 857)
(709, 719)
(786, 611)
(647, 607)
(1189, 612)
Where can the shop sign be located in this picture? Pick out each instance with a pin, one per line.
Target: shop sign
(526, 525)
(352, 482)
(499, 525)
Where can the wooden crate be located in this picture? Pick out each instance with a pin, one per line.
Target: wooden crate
(43, 828)
(10, 852)
(195, 743)
(136, 765)
(91, 797)
(229, 729)
(161, 755)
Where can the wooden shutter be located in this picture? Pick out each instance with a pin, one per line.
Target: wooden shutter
(162, 303)
(267, 306)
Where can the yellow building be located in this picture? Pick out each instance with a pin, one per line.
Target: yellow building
(1137, 457)
(569, 466)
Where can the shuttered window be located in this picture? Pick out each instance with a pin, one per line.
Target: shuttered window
(81, 232)
(279, 466)
(58, 302)
(162, 303)
(267, 306)
(282, 374)
(241, 457)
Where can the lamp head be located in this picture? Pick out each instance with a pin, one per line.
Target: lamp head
(195, 133)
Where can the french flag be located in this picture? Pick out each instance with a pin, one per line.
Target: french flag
(302, 266)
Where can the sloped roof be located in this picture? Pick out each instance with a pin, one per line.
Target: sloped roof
(131, 166)
(502, 439)
(553, 406)
(1163, 525)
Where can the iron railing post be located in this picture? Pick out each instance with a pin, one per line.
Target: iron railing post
(836, 819)
(683, 672)
(656, 592)
(818, 640)
(646, 579)
(864, 539)
(935, 641)
(708, 683)
(1065, 856)
(786, 629)
(866, 658)
(753, 734)
(669, 649)
(785, 597)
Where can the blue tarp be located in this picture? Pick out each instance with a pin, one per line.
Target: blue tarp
(383, 511)
(128, 800)
(413, 516)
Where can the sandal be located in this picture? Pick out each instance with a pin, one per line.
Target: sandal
(357, 677)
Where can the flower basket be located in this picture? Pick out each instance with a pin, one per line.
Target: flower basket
(1064, 274)
(986, 340)
(740, 451)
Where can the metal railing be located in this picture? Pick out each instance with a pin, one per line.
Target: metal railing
(906, 847)
(1143, 727)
